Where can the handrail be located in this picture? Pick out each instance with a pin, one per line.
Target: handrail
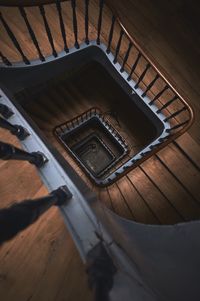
(180, 119)
(10, 152)
(162, 73)
(27, 3)
(14, 129)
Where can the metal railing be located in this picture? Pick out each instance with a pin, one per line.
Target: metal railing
(65, 129)
(80, 22)
(150, 83)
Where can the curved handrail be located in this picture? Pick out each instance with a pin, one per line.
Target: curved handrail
(162, 73)
(176, 129)
(159, 69)
(26, 3)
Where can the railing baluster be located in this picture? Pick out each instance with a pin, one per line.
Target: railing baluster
(175, 114)
(111, 34)
(14, 40)
(118, 46)
(134, 66)
(167, 104)
(5, 111)
(101, 2)
(10, 152)
(101, 271)
(48, 31)
(126, 56)
(159, 94)
(73, 123)
(20, 215)
(142, 75)
(62, 25)
(5, 60)
(150, 85)
(86, 21)
(177, 126)
(16, 130)
(73, 2)
(31, 32)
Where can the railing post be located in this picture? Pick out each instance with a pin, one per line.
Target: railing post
(167, 104)
(134, 66)
(101, 2)
(13, 39)
(177, 126)
(31, 32)
(150, 85)
(175, 114)
(48, 31)
(73, 3)
(16, 130)
(19, 216)
(10, 152)
(159, 94)
(5, 111)
(126, 56)
(142, 75)
(101, 271)
(118, 46)
(5, 60)
(62, 25)
(86, 21)
(111, 34)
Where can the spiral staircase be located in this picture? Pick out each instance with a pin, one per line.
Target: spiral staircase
(65, 63)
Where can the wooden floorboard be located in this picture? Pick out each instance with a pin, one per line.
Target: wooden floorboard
(171, 187)
(182, 169)
(160, 205)
(189, 148)
(140, 195)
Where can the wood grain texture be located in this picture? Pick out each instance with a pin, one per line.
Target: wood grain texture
(42, 263)
(26, 2)
(140, 195)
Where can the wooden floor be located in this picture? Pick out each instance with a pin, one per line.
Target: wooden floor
(153, 192)
(42, 262)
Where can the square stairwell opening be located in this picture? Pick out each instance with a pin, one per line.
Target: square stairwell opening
(93, 142)
(118, 126)
(90, 83)
(94, 154)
